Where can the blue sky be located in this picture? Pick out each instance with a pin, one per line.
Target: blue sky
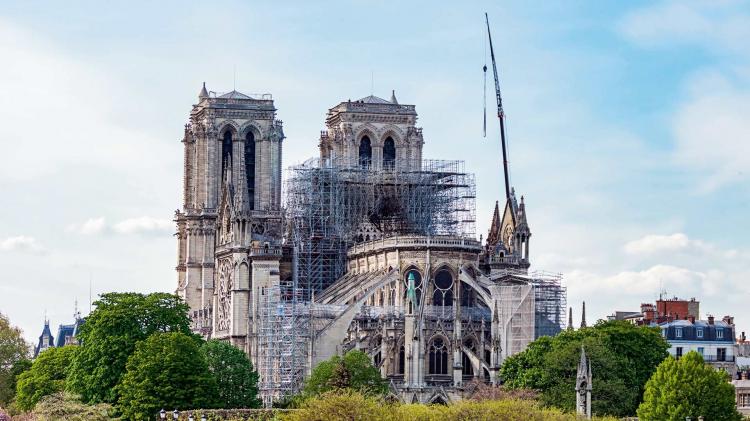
(628, 130)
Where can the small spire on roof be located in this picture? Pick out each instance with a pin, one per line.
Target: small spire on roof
(393, 97)
(204, 92)
(583, 315)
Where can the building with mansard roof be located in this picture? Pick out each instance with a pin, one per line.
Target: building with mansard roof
(372, 247)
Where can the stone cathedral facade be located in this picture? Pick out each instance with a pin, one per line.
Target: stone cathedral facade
(374, 235)
(229, 229)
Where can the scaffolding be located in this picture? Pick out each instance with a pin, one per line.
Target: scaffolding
(332, 205)
(283, 339)
(550, 303)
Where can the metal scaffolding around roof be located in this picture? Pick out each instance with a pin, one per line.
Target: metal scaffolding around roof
(331, 205)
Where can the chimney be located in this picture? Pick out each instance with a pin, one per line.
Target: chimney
(728, 320)
(691, 319)
(710, 319)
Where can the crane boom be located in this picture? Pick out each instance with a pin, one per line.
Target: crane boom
(500, 113)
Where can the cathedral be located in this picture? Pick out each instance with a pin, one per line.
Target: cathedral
(370, 247)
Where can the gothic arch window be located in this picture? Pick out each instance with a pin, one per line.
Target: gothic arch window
(438, 356)
(226, 150)
(417, 283)
(468, 295)
(365, 152)
(377, 357)
(250, 167)
(389, 154)
(443, 292)
(467, 369)
(401, 359)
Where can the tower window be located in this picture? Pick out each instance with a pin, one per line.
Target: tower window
(389, 153)
(226, 150)
(250, 167)
(365, 152)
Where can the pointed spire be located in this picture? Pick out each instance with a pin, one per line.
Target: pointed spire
(393, 97)
(570, 318)
(494, 236)
(583, 315)
(583, 369)
(204, 92)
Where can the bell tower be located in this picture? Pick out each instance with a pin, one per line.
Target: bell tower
(231, 205)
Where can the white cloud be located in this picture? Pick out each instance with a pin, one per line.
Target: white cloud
(137, 225)
(144, 225)
(22, 243)
(714, 25)
(92, 226)
(651, 244)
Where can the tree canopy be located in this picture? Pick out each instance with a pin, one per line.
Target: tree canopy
(13, 349)
(353, 371)
(622, 357)
(46, 376)
(110, 334)
(688, 387)
(236, 379)
(167, 370)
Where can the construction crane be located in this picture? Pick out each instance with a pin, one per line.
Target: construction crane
(500, 113)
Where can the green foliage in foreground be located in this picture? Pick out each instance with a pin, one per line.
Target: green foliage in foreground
(46, 376)
(110, 334)
(688, 388)
(65, 406)
(166, 370)
(236, 380)
(623, 357)
(14, 353)
(350, 405)
(354, 371)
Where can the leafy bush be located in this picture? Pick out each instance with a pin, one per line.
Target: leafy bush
(46, 376)
(353, 371)
(65, 406)
(236, 380)
(623, 357)
(166, 370)
(688, 388)
(351, 405)
(110, 334)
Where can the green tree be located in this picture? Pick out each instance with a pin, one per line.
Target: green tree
(688, 388)
(354, 371)
(45, 377)
(623, 357)
(167, 370)
(13, 349)
(110, 334)
(236, 379)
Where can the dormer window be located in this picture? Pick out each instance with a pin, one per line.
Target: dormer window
(719, 333)
(699, 333)
(678, 332)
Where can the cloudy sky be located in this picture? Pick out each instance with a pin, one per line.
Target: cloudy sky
(628, 128)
